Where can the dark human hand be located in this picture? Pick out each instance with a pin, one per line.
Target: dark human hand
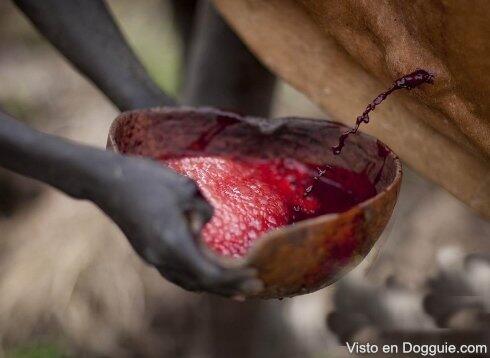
(162, 214)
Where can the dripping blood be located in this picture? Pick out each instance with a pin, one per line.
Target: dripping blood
(410, 81)
(251, 196)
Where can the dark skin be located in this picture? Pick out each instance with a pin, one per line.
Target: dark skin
(86, 34)
(160, 212)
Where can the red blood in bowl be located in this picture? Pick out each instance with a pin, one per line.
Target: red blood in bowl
(252, 196)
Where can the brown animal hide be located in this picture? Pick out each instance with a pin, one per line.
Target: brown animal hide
(341, 54)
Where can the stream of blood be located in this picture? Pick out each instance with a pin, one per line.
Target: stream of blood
(252, 196)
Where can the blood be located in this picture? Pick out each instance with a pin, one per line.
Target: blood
(251, 196)
(383, 152)
(410, 81)
(222, 122)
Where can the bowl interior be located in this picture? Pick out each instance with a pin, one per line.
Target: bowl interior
(164, 133)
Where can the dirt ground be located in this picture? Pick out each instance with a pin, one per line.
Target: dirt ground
(69, 278)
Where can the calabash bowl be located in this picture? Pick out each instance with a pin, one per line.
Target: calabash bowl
(306, 255)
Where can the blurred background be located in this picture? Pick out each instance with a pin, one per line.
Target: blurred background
(70, 285)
